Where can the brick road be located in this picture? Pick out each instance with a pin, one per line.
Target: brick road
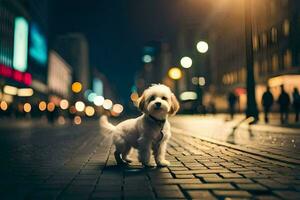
(80, 165)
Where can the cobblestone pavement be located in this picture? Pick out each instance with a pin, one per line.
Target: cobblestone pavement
(77, 163)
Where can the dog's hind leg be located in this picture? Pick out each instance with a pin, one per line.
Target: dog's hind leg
(125, 154)
(118, 158)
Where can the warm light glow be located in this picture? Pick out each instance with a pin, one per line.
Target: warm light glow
(188, 95)
(77, 120)
(64, 104)
(27, 107)
(201, 81)
(186, 62)
(76, 87)
(175, 73)
(72, 110)
(10, 90)
(79, 105)
(89, 111)
(134, 96)
(98, 100)
(3, 105)
(107, 104)
(25, 92)
(202, 47)
(61, 120)
(42, 106)
(50, 106)
(117, 108)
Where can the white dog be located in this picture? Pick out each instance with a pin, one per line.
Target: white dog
(150, 130)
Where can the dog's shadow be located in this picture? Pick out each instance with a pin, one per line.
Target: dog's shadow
(130, 170)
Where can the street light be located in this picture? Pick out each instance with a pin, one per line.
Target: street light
(186, 62)
(202, 46)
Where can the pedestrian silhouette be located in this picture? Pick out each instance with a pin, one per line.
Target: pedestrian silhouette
(231, 103)
(284, 103)
(267, 102)
(296, 103)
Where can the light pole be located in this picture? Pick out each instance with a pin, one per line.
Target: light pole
(186, 62)
(251, 110)
(175, 74)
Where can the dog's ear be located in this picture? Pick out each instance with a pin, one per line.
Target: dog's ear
(141, 102)
(174, 105)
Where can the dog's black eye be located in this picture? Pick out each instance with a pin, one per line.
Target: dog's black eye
(152, 98)
(164, 98)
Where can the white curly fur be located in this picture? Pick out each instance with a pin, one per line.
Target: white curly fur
(145, 132)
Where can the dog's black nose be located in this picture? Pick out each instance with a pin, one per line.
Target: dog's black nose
(157, 104)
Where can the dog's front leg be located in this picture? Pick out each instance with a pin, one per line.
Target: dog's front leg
(159, 151)
(144, 150)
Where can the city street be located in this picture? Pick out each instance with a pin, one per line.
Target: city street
(208, 161)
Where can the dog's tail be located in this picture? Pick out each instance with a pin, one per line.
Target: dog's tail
(106, 127)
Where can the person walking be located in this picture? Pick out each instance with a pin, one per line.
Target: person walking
(296, 103)
(267, 102)
(232, 99)
(284, 103)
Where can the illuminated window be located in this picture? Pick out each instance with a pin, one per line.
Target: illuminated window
(264, 66)
(274, 35)
(264, 39)
(275, 63)
(255, 42)
(286, 27)
(287, 59)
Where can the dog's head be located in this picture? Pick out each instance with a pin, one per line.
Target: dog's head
(158, 101)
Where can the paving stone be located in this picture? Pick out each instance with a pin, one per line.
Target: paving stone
(232, 193)
(288, 194)
(227, 180)
(200, 195)
(252, 186)
(169, 194)
(207, 186)
(176, 181)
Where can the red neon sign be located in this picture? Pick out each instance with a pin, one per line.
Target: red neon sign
(16, 75)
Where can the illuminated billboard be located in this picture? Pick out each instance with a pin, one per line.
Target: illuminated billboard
(38, 45)
(20, 44)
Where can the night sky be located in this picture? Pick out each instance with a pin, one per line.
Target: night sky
(116, 31)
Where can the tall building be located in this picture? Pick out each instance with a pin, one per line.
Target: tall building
(275, 37)
(23, 51)
(73, 47)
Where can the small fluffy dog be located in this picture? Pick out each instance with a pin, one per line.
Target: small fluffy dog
(149, 131)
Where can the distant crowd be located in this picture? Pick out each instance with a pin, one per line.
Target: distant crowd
(284, 101)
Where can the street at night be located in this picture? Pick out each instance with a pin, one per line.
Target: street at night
(149, 99)
(76, 162)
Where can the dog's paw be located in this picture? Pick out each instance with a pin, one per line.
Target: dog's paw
(163, 163)
(128, 160)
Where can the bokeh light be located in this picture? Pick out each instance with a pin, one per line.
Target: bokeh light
(147, 59)
(61, 120)
(186, 62)
(175, 73)
(92, 96)
(42, 106)
(79, 105)
(76, 87)
(3, 105)
(77, 120)
(117, 108)
(27, 107)
(134, 96)
(107, 104)
(64, 104)
(99, 100)
(202, 47)
(72, 110)
(89, 111)
(50, 106)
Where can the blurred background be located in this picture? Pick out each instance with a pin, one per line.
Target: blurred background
(66, 61)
